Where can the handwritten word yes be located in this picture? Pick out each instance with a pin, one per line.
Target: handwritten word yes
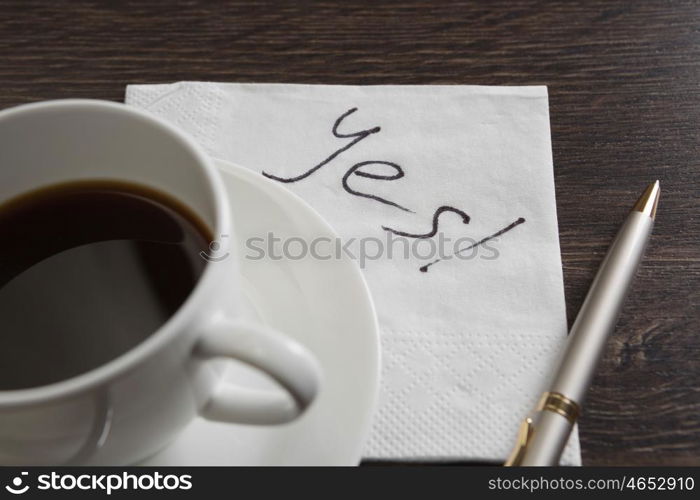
(360, 170)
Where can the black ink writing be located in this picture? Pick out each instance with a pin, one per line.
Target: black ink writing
(355, 169)
(436, 216)
(358, 136)
(424, 269)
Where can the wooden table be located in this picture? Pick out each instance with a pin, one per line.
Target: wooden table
(624, 91)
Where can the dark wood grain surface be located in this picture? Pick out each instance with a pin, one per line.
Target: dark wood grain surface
(624, 83)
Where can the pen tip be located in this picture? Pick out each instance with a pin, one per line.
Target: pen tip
(649, 200)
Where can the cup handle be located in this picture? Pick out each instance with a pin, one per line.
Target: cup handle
(285, 360)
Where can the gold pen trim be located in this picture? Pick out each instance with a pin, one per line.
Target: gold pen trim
(524, 435)
(550, 401)
(558, 403)
(648, 201)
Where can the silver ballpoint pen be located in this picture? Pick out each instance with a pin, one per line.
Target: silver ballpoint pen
(542, 436)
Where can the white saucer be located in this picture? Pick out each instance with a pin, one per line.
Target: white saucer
(326, 305)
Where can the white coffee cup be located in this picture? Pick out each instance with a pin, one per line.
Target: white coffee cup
(130, 407)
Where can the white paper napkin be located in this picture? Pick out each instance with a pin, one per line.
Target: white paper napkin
(468, 345)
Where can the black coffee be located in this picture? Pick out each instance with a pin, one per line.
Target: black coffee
(88, 270)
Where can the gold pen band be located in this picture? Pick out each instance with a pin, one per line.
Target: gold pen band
(558, 403)
(550, 401)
